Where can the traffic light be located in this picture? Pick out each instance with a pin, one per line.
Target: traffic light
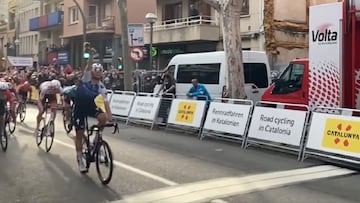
(120, 63)
(86, 48)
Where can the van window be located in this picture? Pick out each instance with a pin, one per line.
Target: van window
(204, 73)
(290, 80)
(257, 74)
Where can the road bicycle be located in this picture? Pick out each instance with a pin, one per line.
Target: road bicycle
(21, 110)
(48, 128)
(98, 150)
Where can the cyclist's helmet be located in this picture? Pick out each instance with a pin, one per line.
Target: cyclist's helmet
(4, 85)
(56, 83)
(96, 67)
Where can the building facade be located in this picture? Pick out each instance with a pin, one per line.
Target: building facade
(10, 33)
(3, 31)
(27, 39)
(103, 28)
(189, 26)
(49, 24)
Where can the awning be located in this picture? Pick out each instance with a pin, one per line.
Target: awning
(20, 61)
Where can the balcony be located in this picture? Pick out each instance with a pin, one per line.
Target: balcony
(104, 25)
(45, 22)
(200, 28)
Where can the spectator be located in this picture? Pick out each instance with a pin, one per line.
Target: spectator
(194, 14)
(199, 91)
(167, 88)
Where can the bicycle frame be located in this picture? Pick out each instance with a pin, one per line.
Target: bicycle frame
(52, 114)
(97, 139)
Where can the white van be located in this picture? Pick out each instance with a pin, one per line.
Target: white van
(210, 68)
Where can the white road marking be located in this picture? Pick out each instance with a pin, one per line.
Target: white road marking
(225, 187)
(218, 201)
(130, 168)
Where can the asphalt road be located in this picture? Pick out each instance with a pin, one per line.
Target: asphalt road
(162, 166)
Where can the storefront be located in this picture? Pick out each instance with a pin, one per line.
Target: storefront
(165, 52)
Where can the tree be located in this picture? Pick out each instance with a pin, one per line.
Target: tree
(230, 12)
(128, 66)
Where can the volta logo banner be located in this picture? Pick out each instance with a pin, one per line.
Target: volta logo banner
(186, 112)
(342, 135)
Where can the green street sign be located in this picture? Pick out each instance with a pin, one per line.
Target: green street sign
(86, 55)
(154, 52)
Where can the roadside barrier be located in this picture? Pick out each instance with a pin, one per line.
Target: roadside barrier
(121, 103)
(164, 109)
(329, 133)
(187, 114)
(279, 126)
(334, 136)
(145, 109)
(229, 120)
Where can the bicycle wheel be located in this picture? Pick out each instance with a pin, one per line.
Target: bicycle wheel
(22, 112)
(40, 135)
(86, 153)
(4, 141)
(66, 122)
(11, 124)
(49, 135)
(104, 156)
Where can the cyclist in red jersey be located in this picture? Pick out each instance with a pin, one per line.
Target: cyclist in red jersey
(12, 96)
(23, 90)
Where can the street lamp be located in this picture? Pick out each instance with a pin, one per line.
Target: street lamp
(17, 42)
(151, 18)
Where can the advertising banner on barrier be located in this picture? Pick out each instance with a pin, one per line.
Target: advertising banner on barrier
(186, 112)
(109, 95)
(120, 104)
(277, 125)
(227, 118)
(145, 108)
(335, 134)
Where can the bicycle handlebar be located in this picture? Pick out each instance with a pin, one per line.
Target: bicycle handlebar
(114, 125)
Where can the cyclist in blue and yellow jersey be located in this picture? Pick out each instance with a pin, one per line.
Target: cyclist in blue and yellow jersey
(86, 93)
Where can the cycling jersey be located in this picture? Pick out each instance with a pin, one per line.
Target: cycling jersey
(4, 96)
(24, 87)
(70, 91)
(46, 88)
(88, 90)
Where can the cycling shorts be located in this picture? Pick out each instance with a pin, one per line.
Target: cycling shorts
(50, 98)
(3, 103)
(84, 108)
(23, 95)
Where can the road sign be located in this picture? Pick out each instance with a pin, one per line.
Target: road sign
(136, 35)
(137, 54)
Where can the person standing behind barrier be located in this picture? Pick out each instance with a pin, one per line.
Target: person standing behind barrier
(199, 91)
(167, 91)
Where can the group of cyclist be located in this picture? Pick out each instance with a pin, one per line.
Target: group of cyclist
(82, 95)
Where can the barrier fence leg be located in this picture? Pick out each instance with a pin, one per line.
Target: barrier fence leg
(200, 133)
